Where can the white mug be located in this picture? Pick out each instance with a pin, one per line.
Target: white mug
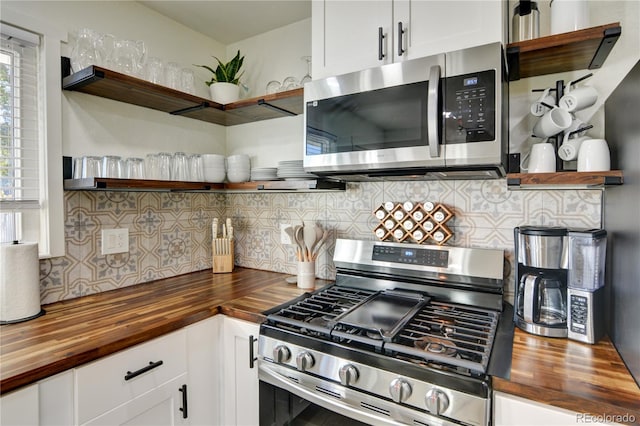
(542, 159)
(552, 122)
(570, 147)
(537, 108)
(578, 99)
(569, 15)
(594, 156)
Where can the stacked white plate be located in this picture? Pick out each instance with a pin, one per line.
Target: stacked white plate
(238, 168)
(264, 173)
(293, 170)
(213, 167)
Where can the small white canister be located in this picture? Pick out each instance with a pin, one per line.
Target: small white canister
(569, 15)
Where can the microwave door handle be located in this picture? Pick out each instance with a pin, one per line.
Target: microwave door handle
(432, 111)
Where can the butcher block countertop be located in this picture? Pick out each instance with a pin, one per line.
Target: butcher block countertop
(558, 372)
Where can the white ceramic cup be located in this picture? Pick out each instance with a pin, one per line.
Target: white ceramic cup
(578, 99)
(594, 156)
(537, 108)
(570, 147)
(552, 122)
(569, 15)
(542, 158)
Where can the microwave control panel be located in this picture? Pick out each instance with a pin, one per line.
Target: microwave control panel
(470, 105)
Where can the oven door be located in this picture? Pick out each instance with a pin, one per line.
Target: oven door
(388, 117)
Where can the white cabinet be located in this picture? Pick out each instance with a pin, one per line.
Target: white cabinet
(204, 363)
(48, 402)
(136, 385)
(358, 34)
(20, 408)
(509, 410)
(240, 376)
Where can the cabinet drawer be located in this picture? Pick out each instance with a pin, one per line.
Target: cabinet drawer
(116, 379)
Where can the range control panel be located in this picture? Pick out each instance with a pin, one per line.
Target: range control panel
(411, 256)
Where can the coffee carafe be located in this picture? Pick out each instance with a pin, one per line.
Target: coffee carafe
(541, 280)
(586, 297)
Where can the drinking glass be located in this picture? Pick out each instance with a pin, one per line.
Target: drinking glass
(165, 165)
(129, 56)
(91, 166)
(307, 77)
(196, 168)
(273, 87)
(289, 83)
(112, 166)
(77, 168)
(172, 75)
(135, 168)
(180, 169)
(187, 81)
(151, 169)
(154, 70)
(84, 52)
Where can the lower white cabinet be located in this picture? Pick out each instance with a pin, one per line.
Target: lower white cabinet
(240, 373)
(509, 410)
(20, 408)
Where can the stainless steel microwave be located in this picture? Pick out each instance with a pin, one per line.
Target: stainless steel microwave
(438, 117)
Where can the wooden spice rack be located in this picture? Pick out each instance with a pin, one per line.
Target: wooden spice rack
(413, 222)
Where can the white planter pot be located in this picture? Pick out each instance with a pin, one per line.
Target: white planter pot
(224, 93)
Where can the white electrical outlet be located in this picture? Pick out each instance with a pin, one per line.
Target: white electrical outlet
(115, 241)
(284, 237)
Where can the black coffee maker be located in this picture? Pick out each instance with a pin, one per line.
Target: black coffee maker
(540, 305)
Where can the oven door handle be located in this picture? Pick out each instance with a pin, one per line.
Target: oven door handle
(433, 103)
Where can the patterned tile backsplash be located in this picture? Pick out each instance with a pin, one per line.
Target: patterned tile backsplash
(170, 233)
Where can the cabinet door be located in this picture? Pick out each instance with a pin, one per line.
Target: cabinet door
(20, 408)
(158, 407)
(204, 363)
(240, 396)
(439, 26)
(509, 410)
(56, 399)
(345, 35)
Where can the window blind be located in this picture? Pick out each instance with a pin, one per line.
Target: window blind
(19, 129)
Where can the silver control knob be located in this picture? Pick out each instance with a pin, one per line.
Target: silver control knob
(400, 390)
(281, 354)
(437, 401)
(348, 374)
(304, 360)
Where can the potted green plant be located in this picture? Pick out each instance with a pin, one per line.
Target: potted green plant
(224, 84)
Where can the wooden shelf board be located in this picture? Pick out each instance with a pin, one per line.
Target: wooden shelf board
(145, 185)
(565, 180)
(106, 83)
(581, 49)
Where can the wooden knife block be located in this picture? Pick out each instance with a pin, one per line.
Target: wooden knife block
(222, 259)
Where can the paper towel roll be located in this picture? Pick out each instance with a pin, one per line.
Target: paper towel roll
(19, 282)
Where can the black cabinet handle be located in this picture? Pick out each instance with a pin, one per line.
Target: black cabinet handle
(400, 33)
(183, 389)
(252, 357)
(136, 373)
(380, 40)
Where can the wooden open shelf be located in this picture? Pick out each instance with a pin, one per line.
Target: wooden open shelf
(145, 185)
(576, 50)
(103, 82)
(564, 180)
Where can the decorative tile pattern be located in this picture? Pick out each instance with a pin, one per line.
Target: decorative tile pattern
(170, 233)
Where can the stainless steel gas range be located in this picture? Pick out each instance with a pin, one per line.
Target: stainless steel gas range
(408, 334)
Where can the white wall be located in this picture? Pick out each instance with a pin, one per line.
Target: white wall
(93, 125)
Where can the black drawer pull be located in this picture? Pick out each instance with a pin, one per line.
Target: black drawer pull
(252, 357)
(136, 373)
(183, 389)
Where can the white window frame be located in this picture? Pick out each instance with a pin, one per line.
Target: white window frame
(51, 242)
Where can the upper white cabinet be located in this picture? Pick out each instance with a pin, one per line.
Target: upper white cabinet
(354, 35)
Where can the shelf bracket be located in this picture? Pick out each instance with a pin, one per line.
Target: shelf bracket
(275, 108)
(609, 40)
(513, 62)
(190, 109)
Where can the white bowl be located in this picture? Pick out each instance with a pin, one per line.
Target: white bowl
(233, 176)
(213, 160)
(214, 175)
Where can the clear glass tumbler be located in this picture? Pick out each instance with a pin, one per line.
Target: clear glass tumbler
(165, 165)
(91, 166)
(196, 168)
(112, 166)
(180, 169)
(135, 168)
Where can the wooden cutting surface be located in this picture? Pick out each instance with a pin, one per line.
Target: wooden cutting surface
(558, 372)
(572, 375)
